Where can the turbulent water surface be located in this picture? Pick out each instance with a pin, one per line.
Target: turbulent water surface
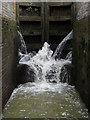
(46, 97)
(45, 100)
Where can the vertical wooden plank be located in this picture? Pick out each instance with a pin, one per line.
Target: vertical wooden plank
(42, 23)
(72, 13)
(17, 12)
(47, 22)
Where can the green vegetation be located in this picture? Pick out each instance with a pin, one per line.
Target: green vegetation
(36, 9)
(29, 9)
(18, 28)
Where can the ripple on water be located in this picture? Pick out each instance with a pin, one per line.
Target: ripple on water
(31, 101)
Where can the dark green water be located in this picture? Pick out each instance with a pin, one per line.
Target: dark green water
(45, 100)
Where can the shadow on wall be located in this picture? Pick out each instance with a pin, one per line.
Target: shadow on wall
(81, 51)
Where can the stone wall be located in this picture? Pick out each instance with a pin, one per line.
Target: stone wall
(81, 51)
(0, 62)
(9, 10)
(8, 46)
(81, 10)
(88, 73)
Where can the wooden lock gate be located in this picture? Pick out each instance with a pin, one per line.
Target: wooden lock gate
(44, 21)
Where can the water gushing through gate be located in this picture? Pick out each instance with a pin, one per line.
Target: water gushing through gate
(47, 96)
(45, 67)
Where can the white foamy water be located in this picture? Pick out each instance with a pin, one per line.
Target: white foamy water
(45, 67)
(41, 87)
(46, 97)
(45, 100)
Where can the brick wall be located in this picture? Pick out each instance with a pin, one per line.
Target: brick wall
(8, 46)
(81, 10)
(81, 50)
(0, 62)
(88, 72)
(8, 10)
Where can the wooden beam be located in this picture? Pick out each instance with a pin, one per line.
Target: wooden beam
(31, 33)
(29, 18)
(30, 4)
(59, 3)
(61, 18)
(57, 33)
(33, 46)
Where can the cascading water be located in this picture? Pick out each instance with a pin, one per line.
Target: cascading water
(69, 56)
(22, 46)
(60, 47)
(46, 97)
(46, 68)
